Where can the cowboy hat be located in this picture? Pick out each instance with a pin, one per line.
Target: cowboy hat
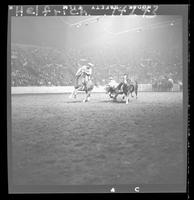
(83, 61)
(91, 64)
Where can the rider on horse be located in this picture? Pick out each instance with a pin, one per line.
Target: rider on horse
(85, 70)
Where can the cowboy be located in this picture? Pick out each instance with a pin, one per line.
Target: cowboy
(83, 70)
(124, 81)
(112, 83)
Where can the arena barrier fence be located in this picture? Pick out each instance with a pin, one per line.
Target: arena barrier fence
(69, 89)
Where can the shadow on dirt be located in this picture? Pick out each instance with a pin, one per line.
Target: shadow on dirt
(102, 101)
(76, 101)
(111, 101)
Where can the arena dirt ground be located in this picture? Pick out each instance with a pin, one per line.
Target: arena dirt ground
(62, 141)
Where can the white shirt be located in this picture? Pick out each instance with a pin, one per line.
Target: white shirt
(170, 80)
(84, 69)
(113, 83)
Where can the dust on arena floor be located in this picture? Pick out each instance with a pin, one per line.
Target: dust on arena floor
(57, 140)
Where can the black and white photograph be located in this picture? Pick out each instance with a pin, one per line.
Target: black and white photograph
(98, 100)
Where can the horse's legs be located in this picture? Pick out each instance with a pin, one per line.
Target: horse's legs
(110, 95)
(115, 97)
(127, 98)
(89, 94)
(132, 89)
(87, 97)
(73, 94)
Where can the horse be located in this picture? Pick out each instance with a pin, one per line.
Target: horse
(128, 88)
(166, 86)
(87, 86)
(169, 85)
(135, 88)
(162, 85)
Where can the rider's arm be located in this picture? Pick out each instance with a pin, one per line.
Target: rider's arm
(79, 71)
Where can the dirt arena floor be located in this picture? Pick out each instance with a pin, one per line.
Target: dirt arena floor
(62, 141)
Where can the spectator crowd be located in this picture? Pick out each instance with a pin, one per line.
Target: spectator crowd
(46, 66)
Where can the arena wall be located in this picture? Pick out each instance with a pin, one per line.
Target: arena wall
(69, 89)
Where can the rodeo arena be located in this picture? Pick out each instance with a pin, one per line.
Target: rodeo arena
(97, 100)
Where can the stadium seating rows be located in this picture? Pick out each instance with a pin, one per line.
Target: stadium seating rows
(45, 66)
